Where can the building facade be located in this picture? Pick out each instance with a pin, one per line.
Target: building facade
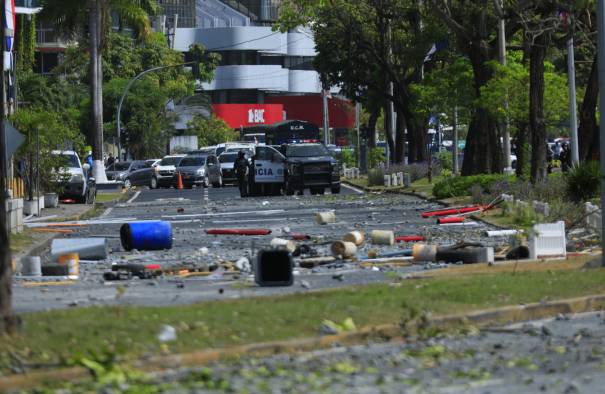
(259, 66)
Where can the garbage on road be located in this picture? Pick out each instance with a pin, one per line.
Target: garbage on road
(382, 237)
(274, 268)
(356, 237)
(410, 238)
(343, 249)
(284, 244)
(467, 253)
(86, 248)
(325, 217)
(151, 235)
(238, 231)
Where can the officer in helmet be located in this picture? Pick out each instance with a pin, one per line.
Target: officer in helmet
(241, 172)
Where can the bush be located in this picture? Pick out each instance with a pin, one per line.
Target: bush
(461, 186)
(376, 157)
(445, 160)
(584, 181)
(376, 177)
(348, 158)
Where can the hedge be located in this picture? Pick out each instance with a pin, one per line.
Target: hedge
(461, 185)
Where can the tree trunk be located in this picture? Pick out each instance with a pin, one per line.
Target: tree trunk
(521, 151)
(400, 138)
(536, 109)
(387, 130)
(96, 89)
(483, 150)
(371, 129)
(588, 131)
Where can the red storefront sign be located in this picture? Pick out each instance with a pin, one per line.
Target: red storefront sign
(245, 115)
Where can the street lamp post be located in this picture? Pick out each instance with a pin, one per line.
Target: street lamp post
(601, 55)
(128, 86)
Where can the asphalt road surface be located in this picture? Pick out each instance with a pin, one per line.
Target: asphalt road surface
(218, 194)
(191, 212)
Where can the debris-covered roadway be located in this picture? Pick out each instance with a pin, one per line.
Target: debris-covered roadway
(203, 267)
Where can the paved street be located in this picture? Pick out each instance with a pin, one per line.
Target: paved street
(563, 355)
(193, 211)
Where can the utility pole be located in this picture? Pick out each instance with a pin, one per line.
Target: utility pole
(571, 75)
(326, 117)
(601, 54)
(502, 58)
(357, 128)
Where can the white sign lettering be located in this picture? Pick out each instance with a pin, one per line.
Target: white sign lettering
(256, 116)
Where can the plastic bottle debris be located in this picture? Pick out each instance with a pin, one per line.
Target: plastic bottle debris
(284, 244)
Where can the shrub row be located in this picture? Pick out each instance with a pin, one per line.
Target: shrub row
(461, 185)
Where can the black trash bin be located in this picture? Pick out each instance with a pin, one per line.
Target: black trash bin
(274, 268)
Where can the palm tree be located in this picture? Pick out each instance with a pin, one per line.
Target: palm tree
(67, 16)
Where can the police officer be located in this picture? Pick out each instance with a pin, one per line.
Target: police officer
(241, 172)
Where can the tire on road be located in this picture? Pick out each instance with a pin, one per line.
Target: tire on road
(153, 183)
(335, 189)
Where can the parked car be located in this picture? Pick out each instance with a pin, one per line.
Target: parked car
(153, 162)
(122, 171)
(200, 170)
(80, 185)
(164, 171)
(142, 176)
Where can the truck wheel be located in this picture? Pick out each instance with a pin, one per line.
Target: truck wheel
(218, 183)
(336, 189)
(313, 191)
(321, 191)
(289, 190)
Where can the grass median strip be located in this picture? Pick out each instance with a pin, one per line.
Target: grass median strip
(66, 336)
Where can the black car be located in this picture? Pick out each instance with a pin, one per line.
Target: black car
(310, 166)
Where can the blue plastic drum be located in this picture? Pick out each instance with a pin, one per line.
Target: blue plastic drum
(152, 235)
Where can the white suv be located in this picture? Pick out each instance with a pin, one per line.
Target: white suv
(165, 169)
(81, 187)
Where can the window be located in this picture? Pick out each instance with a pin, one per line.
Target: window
(193, 161)
(170, 161)
(304, 150)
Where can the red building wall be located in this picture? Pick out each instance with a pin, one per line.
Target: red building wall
(310, 109)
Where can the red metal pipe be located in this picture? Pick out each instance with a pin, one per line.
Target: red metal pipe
(300, 237)
(238, 231)
(409, 238)
(453, 219)
(452, 211)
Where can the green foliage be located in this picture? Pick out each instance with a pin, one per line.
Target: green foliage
(54, 134)
(211, 131)
(375, 157)
(584, 181)
(347, 156)
(445, 160)
(511, 84)
(25, 43)
(376, 177)
(461, 185)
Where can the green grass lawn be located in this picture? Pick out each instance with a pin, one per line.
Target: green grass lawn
(64, 336)
(110, 197)
(21, 241)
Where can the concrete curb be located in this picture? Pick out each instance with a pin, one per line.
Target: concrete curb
(387, 332)
(396, 191)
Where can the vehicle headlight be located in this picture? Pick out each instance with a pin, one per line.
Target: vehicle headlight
(121, 175)
(77, 178)
(201, 171)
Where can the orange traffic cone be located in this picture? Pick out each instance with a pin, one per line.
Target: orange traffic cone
(179, 181)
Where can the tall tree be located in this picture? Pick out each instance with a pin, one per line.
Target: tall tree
(69, 15)
(473, 23)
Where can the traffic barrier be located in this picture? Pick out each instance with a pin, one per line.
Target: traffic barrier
(152, 235)
(547, 240)
(179, 181)
(72, 261)
(274, 268)
(238, 231)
